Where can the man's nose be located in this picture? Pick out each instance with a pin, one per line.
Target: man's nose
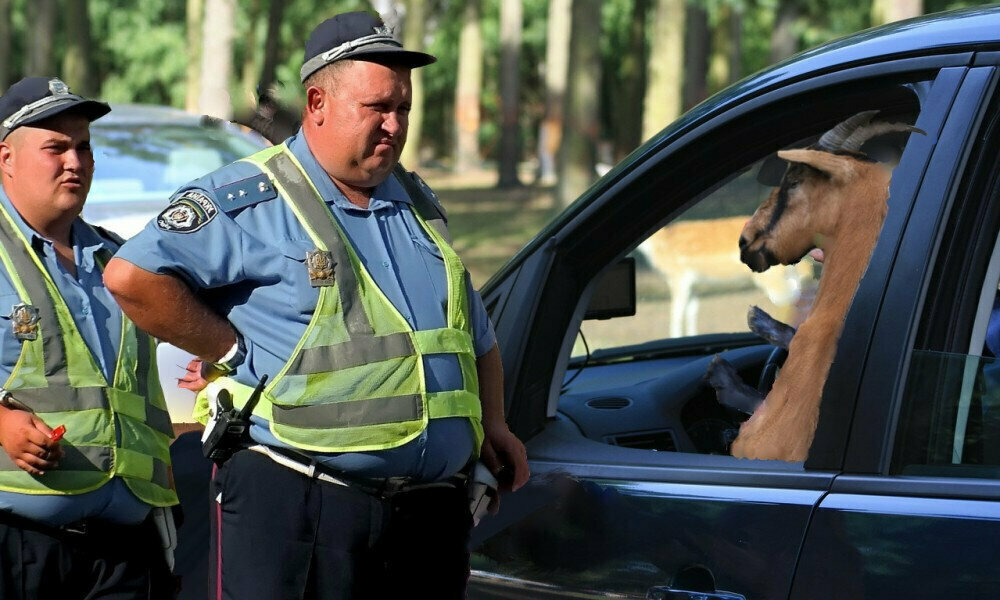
(72, 161)
(393, 123)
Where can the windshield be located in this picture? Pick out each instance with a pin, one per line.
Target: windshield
(149, 161)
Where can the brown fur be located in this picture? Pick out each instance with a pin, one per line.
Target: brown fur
(842, 214)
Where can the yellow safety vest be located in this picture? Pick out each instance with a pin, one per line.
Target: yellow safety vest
(355, 381)
(122, 430)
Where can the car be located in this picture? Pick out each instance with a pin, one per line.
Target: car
(143, 153)
(634, 493)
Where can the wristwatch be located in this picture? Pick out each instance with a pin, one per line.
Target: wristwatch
(232, 359)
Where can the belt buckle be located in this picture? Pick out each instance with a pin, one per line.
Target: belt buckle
(77, 528)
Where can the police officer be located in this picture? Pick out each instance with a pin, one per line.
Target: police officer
(79, 516)
(311, 263)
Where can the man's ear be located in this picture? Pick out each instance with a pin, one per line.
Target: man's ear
(7, 159)
(315, 103)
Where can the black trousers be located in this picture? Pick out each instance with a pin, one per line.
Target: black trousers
(280, 535)
(107, 562)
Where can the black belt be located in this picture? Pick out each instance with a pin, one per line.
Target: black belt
(381, 488)
(79, 530)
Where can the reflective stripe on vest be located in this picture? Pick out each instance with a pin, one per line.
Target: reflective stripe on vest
(355, 381)
(57, 376)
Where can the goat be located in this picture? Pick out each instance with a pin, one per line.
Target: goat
(834, 198)
(698, 258)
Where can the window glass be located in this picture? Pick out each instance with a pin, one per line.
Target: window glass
(640, 381)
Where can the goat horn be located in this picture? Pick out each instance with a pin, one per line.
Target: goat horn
(867, 132)
(832, 140)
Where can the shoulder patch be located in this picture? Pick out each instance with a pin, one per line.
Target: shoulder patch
(245, 192)
(187, 213)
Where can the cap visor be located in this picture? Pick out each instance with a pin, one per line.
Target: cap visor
(391, 55)
(91, 109)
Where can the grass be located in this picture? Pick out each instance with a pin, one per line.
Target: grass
(490, 225)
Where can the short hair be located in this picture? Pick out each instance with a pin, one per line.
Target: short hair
(326, 77)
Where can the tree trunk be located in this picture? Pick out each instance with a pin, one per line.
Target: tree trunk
(268, 73)
(578, 154)
(889, 11)
(784, 36)
(697, 45)
(217, 58)
(632, 70)
(725, 65)
(76, 69)
(556, 64)
(5, 49)
(510, 79)
(195, 25)
(468, 87)
(666, 60)
(251, 64)
(41, 16)
(413, 38)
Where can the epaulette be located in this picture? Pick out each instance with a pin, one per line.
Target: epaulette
(245, 192)
(109, 235)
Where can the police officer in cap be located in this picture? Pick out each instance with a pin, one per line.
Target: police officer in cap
(314, 264)
(84, 472)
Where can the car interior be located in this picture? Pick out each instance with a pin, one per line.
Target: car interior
(634, 383)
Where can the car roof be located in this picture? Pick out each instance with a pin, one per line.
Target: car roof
(124, 114)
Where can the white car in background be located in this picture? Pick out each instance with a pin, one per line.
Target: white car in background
(143, 153)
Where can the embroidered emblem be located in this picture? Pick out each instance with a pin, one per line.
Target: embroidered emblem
(189, 212)
(383, 30)
(320, 265)
(24, 319)
(57, 87)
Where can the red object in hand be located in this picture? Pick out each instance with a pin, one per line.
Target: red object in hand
(57, 433)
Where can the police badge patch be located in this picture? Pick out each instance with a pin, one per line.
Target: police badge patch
(188, 213)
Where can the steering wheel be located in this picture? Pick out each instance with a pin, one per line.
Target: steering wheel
(770, 371)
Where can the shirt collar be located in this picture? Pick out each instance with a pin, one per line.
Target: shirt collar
(383, 196)
(86, 241)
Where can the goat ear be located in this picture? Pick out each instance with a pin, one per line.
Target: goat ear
(838, 168)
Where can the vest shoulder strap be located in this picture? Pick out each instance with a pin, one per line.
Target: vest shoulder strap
(425, 201)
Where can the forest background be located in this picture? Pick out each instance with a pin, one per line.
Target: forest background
(529, 101)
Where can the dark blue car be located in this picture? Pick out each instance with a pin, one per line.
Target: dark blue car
(634, 493)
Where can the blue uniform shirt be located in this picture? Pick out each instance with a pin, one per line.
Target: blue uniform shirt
(248, 264)
(98, 318)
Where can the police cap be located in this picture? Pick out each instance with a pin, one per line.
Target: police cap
(35, 98)
(358, 36)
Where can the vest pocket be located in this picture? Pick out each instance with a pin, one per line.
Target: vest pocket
(10, 349)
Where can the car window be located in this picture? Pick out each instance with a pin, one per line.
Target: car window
(152, 160)
(949, 423)
(640, 381)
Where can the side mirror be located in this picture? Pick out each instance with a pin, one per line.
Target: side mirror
(614, 292)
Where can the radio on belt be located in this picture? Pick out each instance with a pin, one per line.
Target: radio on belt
(228, 429)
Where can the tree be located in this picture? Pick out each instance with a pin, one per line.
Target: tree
(217, 58)
(194, 19)
(42, 25)
(556, 64)
(468, 88)
(511, 13)
(268, 73)
(251, 65)
(697, 47)
(666, 60)
(784, 37)
(888, 11)
(77, 71)
(578, 154)
(6, 30)
(413, 37)
(726, 63)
